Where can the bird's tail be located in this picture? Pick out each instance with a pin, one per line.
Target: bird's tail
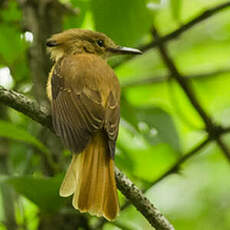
(91, 178)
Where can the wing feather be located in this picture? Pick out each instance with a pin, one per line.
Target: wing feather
(80, 109)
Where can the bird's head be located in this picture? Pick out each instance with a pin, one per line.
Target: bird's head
(76, 41)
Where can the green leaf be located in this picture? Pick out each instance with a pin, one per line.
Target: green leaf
(126, 22)
(42, 191)
(3, 178)
(73, 20)
(148, 161)
(123, 159)
(155, 124)
(20, 157)
(14, 132)
(176, 9)
(11, 13)
(8, 54)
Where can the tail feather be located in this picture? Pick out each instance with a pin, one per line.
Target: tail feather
(91, 178)
(96, 202)
(85, 189)
(111, 189)
(69, 183)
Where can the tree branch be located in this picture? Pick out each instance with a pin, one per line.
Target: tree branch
(212, 129)
(41, 115)
(176, 33)
(27, 106)
(151, 213)
(196, 20)
(176, 166)
(223, 147)
(195, 150)
(182, 81)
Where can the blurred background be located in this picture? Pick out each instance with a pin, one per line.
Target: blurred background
(158, 124)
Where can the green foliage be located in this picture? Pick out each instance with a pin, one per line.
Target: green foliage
(12, 51)
(42, 191)
(176, 6)
(8, 49)
(126, 22)
(123, 159)
(153, 123)
(73, 21)
(12, 13)
(9, 130)
(158, 123)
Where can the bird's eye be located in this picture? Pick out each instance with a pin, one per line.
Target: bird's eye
(100, 43)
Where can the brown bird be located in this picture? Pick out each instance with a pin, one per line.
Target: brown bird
(85, 101)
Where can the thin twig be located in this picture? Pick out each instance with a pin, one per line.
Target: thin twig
(182, 81)
(195, 150)
(223, 147)
(176, 33)
(196, 20)
(212, 129)
(40, 114)
(176, 166)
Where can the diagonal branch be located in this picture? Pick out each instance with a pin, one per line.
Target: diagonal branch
(176, 33)
(196, 20)
(223, 147)
(134, 194)
(41, 115)
(27, 106)
(182, 81)
(176, 166)
(212, 129)
(195, 150)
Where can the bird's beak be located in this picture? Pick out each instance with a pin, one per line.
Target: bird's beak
(124, 50)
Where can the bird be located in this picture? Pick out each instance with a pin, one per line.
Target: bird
(84, 94)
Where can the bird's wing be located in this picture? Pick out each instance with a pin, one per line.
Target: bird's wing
(79, 108)
(112, 119)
